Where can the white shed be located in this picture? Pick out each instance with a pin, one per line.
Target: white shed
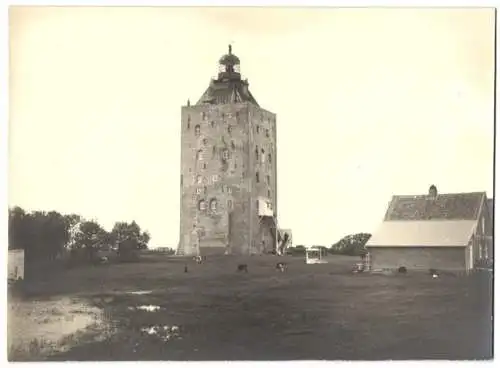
(16, 264)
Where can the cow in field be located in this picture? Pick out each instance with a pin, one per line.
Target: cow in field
(281, 266)
(242, 268)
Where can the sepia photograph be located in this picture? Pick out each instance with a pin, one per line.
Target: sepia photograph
(250, 183)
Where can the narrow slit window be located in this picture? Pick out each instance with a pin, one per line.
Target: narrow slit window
(257, 177)
(202, 205)
(197, 130)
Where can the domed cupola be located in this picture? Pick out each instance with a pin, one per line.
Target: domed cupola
(229, 66)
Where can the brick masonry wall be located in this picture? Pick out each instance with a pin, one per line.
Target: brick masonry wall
(263, 134)
(218, 164)
(424, 258)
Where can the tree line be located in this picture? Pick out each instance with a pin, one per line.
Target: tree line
(352, 245)
(48, 236)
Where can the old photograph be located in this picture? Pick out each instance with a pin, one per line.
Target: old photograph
(250, 183)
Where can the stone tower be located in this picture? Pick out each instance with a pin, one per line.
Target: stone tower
(228, 169)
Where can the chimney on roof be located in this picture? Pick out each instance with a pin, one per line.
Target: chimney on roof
(433, 192)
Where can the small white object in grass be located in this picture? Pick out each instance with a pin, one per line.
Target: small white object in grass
(434, 276)
(175, 329)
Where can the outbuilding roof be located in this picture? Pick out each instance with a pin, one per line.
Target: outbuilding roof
(449, 206)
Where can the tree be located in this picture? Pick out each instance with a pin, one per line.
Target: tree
(17, 228)
(353, 245)
(144, 239)
(129, 239)
(90, 238)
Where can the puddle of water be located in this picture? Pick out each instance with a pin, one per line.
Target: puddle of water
(140, 292)
(147, 308)
(165, 333)
(49, 323)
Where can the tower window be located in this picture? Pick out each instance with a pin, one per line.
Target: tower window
(269, 193)
(256, 153)
(257, 205)
(204, 166)
(213, 204)
(229, 204)
(267, 133)
(258, 129)
(212, 123)
(233, 146)
(223, 115)
(229, 129)
(257, 177)
(215, 178)
(199, 179)
(197, 130)
(205, 141)
(225, 155)
(202, 205)
(182, 179)
(198, 190)
(269, 159)
(203, 115)
(188, 125)
(268, 179)
(263, 156)
(198, 155)
(237, 114)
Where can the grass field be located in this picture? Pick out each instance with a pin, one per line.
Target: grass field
(310, 312)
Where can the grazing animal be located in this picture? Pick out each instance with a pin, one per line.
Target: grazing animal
(281, 266)
(242, 267)
(198, 259)
(185, 268)
(402, 269)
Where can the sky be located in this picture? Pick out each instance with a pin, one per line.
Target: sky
(369, 103)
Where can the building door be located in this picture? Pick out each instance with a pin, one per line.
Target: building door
(471, 257)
